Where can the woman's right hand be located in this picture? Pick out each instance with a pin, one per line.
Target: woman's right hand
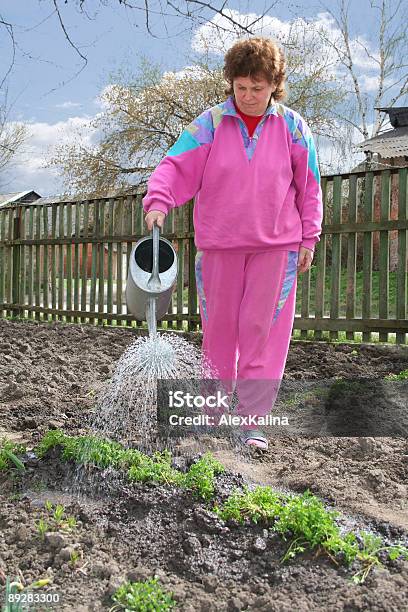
(154, 216)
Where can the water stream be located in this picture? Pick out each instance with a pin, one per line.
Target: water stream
(151, 316)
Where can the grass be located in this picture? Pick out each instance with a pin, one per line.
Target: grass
(145, 596)
(392, 293)
(313, 273)
(166, 326)
(375, 291)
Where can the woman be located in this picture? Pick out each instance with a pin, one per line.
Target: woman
(251, 164)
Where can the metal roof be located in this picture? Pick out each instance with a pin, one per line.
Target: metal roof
(8, 198)
(393, 143)
(398, 115)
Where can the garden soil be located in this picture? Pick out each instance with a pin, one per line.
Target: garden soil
(50, 376)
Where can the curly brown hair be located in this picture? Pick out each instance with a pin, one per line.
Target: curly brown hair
(257, 58)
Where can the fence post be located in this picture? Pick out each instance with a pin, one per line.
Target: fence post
(15, 255)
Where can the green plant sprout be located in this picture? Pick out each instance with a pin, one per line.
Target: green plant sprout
(200, 477)
(145, 596)
(401, 376)
(58, 514)
(74, 557)
(42, 528)
(12, 589)
(70, 523)
(8, 455)
(15, 496)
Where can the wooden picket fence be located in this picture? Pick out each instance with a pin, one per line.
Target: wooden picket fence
(67, 261)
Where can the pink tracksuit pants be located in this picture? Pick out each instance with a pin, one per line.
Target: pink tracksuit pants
(247, 306)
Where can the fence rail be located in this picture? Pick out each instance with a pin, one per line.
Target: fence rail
(68, 260)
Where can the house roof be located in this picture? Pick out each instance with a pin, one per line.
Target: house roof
(82, 197)
(398, 115)
(393, 143)
(9, 198)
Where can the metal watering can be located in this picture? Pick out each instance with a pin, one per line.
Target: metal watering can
(151, 278)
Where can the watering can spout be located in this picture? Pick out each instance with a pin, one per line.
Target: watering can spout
(154, 282)
(152, 275)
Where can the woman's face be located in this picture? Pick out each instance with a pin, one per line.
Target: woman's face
(251, 96)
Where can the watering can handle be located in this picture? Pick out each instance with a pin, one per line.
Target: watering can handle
(154, 282)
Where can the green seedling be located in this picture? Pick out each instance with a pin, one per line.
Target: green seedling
(371, 548)
(13, 589)
(58, 514)
(70, 523)
(145, 596)
(39, 584)
(42, 528)
(296, 547)
(75, 556)
(200, 477)
(401, 376)
(8, 455)
(15, 497)
(152, 469)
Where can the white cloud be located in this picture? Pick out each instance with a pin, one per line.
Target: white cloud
(27, 170)
(219, 34)
(68, 104)
(368, 83)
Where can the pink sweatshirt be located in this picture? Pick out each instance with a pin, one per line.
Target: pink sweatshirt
(251, 194)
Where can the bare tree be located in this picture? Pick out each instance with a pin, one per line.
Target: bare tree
(145, 114)
(387, 60)
(13, 136)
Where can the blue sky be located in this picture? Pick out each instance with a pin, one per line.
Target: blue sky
(44, 92)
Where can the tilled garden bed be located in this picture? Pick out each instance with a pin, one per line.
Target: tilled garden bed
(50, 377)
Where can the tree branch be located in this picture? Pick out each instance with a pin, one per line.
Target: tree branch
(66, 33)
